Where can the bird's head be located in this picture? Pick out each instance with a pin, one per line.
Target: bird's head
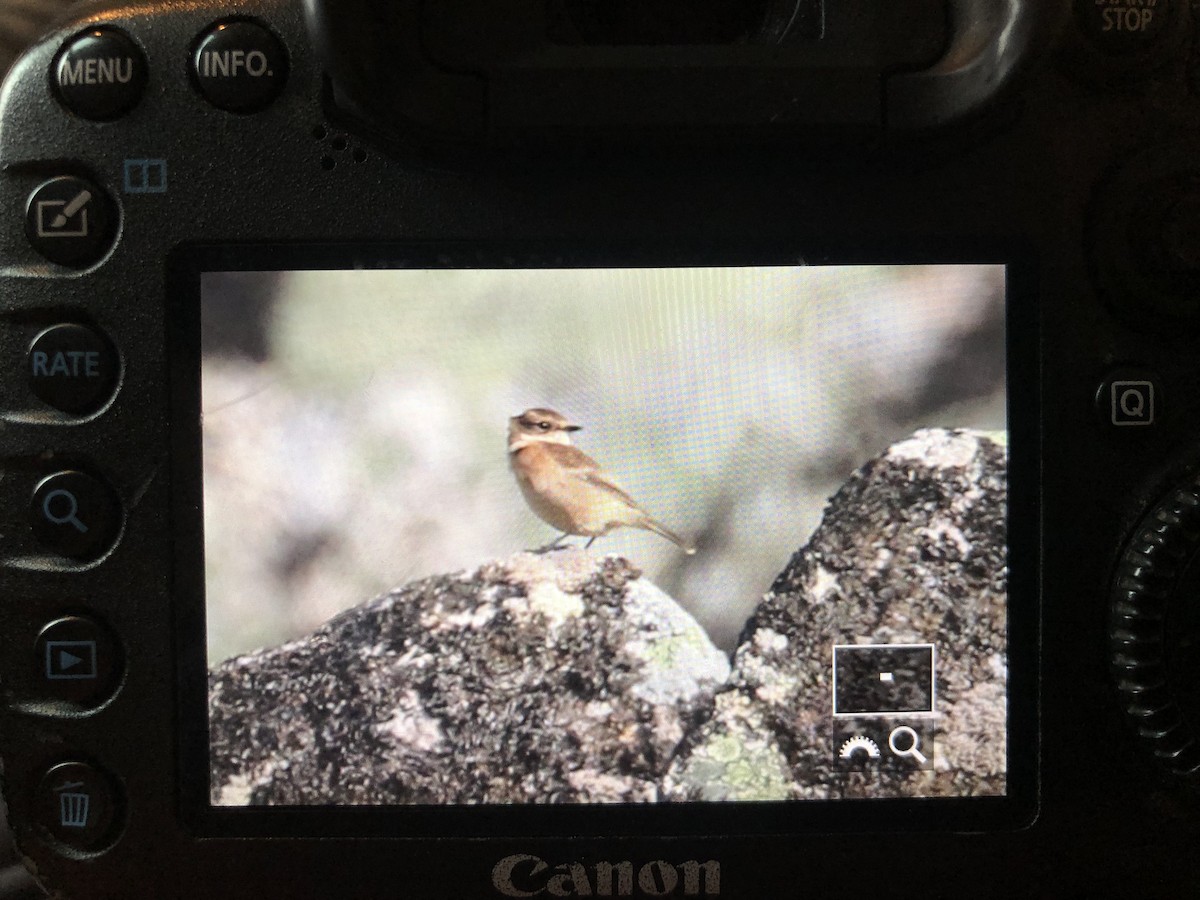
(539, 424)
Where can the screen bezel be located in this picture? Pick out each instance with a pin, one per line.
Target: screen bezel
(1017, 809)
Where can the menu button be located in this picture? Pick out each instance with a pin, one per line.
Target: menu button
(100, 74)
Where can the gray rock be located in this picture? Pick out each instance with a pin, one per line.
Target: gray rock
(570, 678)
(553, 678)
(911, 550)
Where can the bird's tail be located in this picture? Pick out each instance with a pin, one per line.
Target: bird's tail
(659, 528)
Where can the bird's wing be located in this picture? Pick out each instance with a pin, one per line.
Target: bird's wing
(602, 480)
(570, 458)
(582, 466)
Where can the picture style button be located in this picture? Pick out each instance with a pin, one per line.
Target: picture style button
(78, 805)
(76, 660)
(72, 368)
(100, 74)
(239, 66)
(75, 515)
(69, 221)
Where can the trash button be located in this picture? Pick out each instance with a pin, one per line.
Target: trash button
(78, 805)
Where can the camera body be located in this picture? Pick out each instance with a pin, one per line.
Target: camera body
(142, 146)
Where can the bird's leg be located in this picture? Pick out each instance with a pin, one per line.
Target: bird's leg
(555, 544)
(591, 541)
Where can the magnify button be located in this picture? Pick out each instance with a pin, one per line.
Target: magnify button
(61, 507)
(75, 514)
(910, 739)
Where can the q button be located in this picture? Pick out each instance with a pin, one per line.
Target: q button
(1129, 399)
(75, 515)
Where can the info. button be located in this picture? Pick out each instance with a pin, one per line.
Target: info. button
(72, 367)
(239, 66)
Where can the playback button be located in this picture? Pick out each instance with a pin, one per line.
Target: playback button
(76, 660)
(70, 221)
(75, 515)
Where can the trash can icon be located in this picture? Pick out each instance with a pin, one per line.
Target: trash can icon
(73, 806)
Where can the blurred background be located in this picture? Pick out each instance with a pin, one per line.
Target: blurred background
(355, 422)
(22, 21)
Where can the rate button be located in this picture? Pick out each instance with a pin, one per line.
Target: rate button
(72, 367)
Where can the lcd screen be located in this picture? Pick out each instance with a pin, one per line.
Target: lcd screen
(605, 535)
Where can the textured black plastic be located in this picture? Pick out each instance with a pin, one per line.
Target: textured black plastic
(1035, 168)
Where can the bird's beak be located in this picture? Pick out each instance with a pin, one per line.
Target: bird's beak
(572, 428)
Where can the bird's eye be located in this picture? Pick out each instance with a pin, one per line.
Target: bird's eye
(545, 426)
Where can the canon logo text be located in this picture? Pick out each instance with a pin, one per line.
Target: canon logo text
(522, 875)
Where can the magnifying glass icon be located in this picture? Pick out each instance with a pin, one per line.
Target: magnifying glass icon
(67, 510)
(914, 746)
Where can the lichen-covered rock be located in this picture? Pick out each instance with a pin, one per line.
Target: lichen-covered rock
(559, 677)
(912, 550)
(568, 678)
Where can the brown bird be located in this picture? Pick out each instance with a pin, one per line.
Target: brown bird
(566, 487)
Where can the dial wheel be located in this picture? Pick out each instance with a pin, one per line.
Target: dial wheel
(1155, 629)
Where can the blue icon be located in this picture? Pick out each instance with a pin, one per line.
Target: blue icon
(68, 510)
(70, 660)
(145, 176)
(73, 807)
